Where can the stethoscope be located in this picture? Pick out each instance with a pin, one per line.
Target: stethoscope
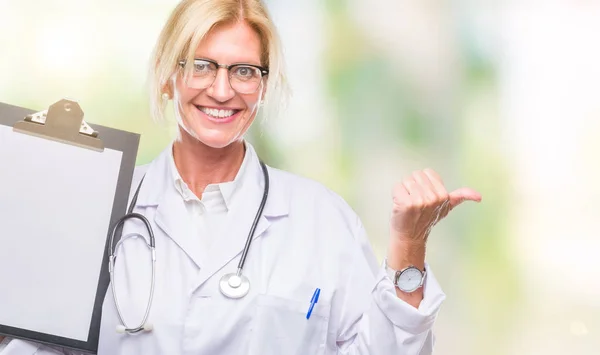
(232, 285)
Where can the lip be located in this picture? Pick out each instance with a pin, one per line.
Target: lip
(219, 107)
(219, 120)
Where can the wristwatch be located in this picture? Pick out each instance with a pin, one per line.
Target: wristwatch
(408, 279)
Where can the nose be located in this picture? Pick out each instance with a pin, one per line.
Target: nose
(221, 90)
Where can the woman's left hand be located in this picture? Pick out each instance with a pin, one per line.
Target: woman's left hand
(420, 201)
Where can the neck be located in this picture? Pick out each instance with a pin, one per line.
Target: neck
(200, 165)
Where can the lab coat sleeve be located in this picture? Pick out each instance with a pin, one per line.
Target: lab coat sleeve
(374, 320)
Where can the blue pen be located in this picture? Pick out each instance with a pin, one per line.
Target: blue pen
(313, 301)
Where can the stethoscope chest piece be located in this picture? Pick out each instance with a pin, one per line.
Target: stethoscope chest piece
(234, 285)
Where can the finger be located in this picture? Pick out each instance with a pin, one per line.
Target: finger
(400, 193)
(433, 175)
(417, 199)
(463, 194)
(412, 186)
(422, 179)
(437, 183)
(429, 193)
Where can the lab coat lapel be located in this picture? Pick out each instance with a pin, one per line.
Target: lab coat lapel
(173, 219)
(171, 215)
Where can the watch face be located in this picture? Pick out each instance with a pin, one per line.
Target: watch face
(410, 279)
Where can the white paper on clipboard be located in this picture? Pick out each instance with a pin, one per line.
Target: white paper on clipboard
(44, 211)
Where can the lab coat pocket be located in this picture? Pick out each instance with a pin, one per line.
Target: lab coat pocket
(280, 327)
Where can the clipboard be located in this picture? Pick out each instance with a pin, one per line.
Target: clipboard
(63, 184)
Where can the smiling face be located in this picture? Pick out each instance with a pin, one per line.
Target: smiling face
(218, 115)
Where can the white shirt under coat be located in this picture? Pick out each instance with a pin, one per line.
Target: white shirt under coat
(307, 238)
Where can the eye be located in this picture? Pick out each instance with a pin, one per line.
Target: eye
(203, 67)
(244, 72)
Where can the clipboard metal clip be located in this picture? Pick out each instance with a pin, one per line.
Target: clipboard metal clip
(62, 122)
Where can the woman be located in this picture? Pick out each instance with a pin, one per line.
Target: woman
(219, 61)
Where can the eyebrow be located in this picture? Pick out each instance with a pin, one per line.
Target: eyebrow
(251, 62)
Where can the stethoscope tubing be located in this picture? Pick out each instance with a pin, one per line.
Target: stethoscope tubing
(151, 244)
(256, 218)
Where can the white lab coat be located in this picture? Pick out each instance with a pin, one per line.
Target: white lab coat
(307, 238)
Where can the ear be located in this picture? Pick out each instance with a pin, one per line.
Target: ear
(263, 94)
(167, 88)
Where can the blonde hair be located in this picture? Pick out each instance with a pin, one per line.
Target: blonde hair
(190, 22)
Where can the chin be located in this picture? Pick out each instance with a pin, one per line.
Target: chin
(216, 143)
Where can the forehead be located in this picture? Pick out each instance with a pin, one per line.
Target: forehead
(231, 43)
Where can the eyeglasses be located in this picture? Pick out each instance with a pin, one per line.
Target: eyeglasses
(243, 78)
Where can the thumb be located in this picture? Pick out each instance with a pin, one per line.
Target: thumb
(458, 196)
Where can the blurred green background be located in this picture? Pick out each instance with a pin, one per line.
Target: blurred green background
(501, 96)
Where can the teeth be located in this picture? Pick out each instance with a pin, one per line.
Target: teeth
(217, 113)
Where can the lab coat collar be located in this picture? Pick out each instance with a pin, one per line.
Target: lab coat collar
(158, 189)
(157, 180)
(225, 191)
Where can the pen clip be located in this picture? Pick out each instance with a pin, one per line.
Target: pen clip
(313, 301)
